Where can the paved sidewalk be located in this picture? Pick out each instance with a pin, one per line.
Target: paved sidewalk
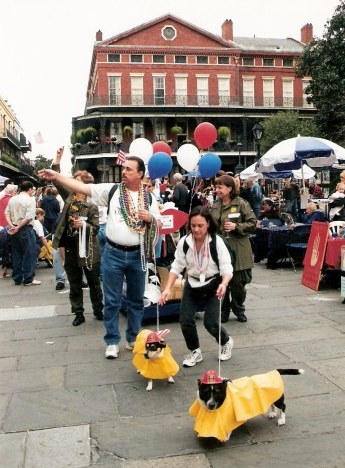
(62, 404)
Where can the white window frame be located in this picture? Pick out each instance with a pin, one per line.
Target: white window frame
(248, 91)
(268, 91)
(288, 92)
(223, 89)
(159, 84)
(137, 88)
(181, 89)
(114, 89)
(202, 89)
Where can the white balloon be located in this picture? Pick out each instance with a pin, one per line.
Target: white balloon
(188, 156)
(142, 148)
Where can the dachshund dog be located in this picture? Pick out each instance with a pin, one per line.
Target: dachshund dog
(222, 405)
(152, 357)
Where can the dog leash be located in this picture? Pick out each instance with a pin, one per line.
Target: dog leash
(219, 334)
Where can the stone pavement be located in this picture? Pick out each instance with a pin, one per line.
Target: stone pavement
(62, 404)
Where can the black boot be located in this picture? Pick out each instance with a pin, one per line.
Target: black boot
(79, 319)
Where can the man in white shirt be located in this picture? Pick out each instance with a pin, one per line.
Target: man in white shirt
(20, 214)
(131, 231)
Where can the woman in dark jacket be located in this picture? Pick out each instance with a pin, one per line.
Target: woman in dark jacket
(76, 232)
(235, 220)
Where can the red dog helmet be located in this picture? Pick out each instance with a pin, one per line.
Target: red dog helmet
(153, 338)
(211, 377)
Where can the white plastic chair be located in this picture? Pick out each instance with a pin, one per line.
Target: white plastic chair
(334, 227)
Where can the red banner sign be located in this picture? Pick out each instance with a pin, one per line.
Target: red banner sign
(314, 257)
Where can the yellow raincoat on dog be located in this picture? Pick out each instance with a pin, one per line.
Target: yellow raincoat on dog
(245, 398)
(157, 368)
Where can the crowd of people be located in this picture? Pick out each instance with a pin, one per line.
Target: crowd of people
(102, 235)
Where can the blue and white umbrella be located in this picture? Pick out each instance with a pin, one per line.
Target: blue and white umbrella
(250, 172)
(290, 154)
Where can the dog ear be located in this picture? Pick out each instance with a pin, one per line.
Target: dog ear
(199, 382)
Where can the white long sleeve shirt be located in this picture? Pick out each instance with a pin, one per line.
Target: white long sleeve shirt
(187, 261)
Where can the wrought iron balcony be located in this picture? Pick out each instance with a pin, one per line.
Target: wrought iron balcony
(7, 135)
(196, 101)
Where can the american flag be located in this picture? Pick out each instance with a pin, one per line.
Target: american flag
(121, 158)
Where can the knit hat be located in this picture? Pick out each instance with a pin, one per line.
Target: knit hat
(211, 377)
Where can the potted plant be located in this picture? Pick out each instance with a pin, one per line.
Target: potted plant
(223, 133)
(127, 130)
(176, 130)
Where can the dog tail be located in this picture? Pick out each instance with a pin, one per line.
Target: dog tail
(290, 371)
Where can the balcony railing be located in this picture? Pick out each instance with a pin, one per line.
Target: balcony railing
(202, 101)
(5, 134)
(100, 148)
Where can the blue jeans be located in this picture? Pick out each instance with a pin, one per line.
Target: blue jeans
(116, 265)
(24, 255)
(59, 271)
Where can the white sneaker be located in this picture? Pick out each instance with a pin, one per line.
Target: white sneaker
(225, 353)
(112, 351)
(129, 346)
(192, 358)
(33, 283)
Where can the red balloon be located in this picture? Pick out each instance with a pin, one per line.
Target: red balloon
(161, 147)
(205, 135)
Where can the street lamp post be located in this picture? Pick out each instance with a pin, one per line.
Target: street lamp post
(239, 167)
(258, 130)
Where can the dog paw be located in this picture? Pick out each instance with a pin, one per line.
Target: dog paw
(281, 420)
(149, 387)
(272, 415)
(171, 380)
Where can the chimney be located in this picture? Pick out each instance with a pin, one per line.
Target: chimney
(227, 30)
(99, 36)
(307, 33)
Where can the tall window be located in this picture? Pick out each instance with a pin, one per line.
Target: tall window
(248, 92)
(202, 90)
(268, 92)
(114, 86)
(137, 89)
(287, 93)
(159, 89)
(181, 90)
(224, 90)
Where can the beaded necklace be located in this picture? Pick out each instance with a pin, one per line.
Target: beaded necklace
(148, 232)
(202, 258)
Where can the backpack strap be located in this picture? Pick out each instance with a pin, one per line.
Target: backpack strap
(113, 190)
(213, 249)
(110, 196)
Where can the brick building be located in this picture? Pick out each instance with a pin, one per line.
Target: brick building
(162, 78)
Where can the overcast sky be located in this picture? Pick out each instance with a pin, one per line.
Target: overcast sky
(46, 47)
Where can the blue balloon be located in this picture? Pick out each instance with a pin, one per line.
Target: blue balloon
(159, 165)
(209, 165)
